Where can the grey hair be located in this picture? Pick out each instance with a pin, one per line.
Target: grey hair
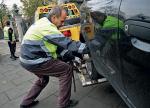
(55, 11)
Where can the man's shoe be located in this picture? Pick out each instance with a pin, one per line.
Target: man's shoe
(13, 58)
(16, 56)
(30, 105)
(72, 103)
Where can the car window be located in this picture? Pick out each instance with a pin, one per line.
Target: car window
(69, 12)
(43, 15)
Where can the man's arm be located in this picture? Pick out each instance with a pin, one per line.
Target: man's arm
(66, 43)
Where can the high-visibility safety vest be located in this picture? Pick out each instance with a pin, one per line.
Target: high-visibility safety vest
(112, 24)
(41, 41)
(6, 36)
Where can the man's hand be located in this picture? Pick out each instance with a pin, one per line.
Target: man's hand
(13, 42)
(86, 50)
(68, 56)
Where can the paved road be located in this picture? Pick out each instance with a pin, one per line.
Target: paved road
(15, 82)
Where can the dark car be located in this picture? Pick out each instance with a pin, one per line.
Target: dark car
(120, 47)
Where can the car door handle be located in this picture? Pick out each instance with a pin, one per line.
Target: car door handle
(141, 45)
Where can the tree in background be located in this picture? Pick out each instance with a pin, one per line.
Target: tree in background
(15, 10)
(30, 6)
(4, 14)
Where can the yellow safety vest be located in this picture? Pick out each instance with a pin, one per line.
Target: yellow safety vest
(6, 37)
(40, 29)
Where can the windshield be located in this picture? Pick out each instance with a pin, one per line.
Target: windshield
(43, 15)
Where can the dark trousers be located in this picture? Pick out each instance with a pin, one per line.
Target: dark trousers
(12, 48)
(56, 68)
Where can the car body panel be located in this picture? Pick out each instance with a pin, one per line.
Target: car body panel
(134, 47)
(118, 49)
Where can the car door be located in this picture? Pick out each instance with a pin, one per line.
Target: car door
(134, 47)
(104, 44)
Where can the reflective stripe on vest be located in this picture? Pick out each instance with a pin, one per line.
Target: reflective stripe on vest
(33, 62)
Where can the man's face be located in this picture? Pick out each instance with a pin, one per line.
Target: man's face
(59, 21)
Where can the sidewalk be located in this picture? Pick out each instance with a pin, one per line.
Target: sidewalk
(15, 82)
